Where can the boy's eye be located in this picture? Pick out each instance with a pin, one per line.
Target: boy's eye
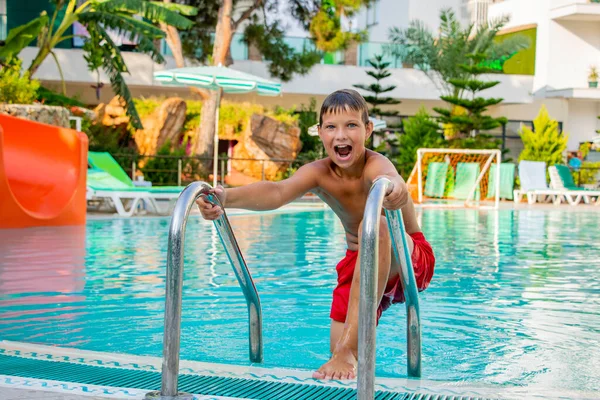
(329, 127)
(352, 125)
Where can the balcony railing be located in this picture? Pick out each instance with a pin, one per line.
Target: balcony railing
(2, 26)
(366, 51)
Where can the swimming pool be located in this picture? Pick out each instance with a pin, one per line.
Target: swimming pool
(514, 300)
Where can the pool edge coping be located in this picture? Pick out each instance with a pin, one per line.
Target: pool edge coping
(284, 375)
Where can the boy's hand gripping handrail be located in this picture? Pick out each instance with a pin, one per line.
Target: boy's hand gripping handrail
(369, 256)
(174, 281)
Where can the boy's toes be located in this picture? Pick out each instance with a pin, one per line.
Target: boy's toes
(318, 375)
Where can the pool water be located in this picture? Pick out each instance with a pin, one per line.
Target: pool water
(515, 299)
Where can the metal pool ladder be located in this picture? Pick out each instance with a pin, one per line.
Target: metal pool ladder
(368, 289)
(174, 281)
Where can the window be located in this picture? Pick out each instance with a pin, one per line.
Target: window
(372, 13)
(2, 19)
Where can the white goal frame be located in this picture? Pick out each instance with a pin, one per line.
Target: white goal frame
(469, 202)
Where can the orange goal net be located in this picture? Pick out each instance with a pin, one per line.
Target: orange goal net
(456, 177)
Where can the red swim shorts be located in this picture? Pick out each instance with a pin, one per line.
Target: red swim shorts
(423, 261)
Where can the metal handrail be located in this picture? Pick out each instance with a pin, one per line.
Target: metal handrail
(174, 283)
(369, 267)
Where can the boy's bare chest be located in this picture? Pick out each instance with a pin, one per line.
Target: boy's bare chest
(346, 198)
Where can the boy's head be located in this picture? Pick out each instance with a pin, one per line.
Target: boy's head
(343, 101)
(344, 126)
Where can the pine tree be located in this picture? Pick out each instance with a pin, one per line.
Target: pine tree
(545, 142)
(465, 118)
(376, 99)
(420, 131)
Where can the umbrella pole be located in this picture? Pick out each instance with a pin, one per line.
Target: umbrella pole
(216, 139)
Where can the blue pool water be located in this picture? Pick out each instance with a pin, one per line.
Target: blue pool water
(514, 300)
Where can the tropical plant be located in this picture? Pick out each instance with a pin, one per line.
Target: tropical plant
(97, 16)
(420, 130)
(162, 170)
(593, 75)
(376, 100)
(20, 37)
(545, 142)
(587, 174)
(51, 98)
(471, 121)
(312, 147)
(17, 88)
(440, 56)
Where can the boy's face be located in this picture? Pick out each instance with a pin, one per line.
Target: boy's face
(343, 135)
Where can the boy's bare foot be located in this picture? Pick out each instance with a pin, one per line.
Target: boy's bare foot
(342, 365)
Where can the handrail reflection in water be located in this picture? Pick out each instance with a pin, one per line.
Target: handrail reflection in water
(174, 285)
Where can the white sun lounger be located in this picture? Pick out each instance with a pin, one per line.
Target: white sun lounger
(532, 175)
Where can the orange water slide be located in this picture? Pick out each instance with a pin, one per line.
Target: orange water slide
(43, 172)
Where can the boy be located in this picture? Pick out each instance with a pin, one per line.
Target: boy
(342, 180)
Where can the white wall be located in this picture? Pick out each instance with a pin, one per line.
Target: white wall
(574, 47)
(521, 12)
(560, 3)
(558, 109)
(581, 124)
(399, 13)
(290, 25)
(429, 11)
(389, 13)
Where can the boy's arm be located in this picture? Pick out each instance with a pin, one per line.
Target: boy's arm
(399, 198)
(266, 195)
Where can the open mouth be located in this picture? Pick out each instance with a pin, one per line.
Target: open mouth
(343, 151)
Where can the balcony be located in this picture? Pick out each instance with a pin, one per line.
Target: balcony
(365, 51)
(576, 10)
(590, 94)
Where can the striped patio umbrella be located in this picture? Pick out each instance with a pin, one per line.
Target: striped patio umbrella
(214, 78)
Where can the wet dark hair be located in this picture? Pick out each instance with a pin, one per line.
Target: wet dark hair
(344, 100)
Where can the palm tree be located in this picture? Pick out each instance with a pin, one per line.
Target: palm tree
(441, 56)
(101, 52)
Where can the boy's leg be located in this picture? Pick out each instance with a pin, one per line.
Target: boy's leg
(344, 338)
(337, 328)
(335, 333)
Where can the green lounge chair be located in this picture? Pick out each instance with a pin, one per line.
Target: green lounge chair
(435, 184)
(105, 188)
(466, 176)
(561, 179)
(507, 181)
(105, 162)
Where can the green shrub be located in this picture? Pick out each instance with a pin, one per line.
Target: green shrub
(162, 170)
(146, 105)
(419, 131)
(312, 148)
(545, 142)
(116, 141)
(16, 88)
(51, 98)
(588, 173)
(192, 116)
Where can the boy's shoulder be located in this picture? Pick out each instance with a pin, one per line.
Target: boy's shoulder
(319, 166)
(375, 159)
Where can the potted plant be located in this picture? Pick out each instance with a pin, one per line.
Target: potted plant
(593, 77)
